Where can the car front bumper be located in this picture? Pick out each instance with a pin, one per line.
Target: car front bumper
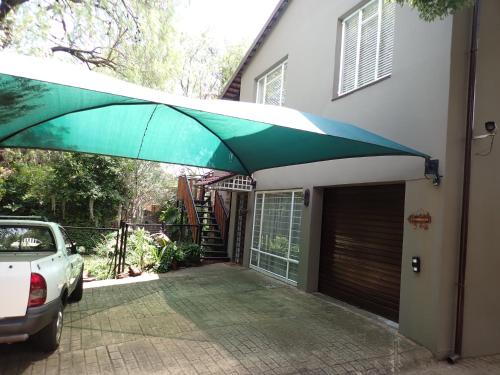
(20, 328)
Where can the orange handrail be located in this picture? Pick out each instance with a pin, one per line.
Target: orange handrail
(184, 194)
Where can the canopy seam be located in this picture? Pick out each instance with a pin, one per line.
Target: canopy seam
(213, 133)
(146, 130)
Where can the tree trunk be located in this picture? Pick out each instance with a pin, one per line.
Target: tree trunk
(91, 208)
(119, 215)
(63, 209)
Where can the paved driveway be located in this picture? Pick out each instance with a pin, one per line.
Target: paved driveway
(216, 319)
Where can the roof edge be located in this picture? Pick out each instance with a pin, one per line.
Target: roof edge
(264, 32)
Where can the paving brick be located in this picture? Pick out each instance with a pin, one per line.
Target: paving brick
(222, 319)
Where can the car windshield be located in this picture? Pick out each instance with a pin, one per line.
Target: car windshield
(26, 238)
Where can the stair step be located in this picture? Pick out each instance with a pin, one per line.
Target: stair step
(214, 254)
(204, 244)
(216, 259)
(211, 237)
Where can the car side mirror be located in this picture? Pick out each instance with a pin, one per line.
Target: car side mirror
(74, 250)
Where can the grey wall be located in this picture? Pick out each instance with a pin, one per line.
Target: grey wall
(410, 107)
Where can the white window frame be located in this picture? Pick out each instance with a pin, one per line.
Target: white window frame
(359, 13)
(258, 251)
(262, 81)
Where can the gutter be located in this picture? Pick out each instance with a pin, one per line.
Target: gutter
(464, 222)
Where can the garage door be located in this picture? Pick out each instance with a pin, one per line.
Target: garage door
(362, 237)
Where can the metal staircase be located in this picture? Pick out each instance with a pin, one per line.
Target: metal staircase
(212, 241)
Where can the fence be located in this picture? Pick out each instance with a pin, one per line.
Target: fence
(90, 238)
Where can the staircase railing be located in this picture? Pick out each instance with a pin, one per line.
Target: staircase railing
(184, 194)
(221, 216)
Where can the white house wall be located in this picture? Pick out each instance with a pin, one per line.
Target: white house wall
(410, 107)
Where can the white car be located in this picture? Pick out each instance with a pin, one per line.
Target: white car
(40, 272)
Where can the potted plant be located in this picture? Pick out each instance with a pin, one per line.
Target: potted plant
(192, 254)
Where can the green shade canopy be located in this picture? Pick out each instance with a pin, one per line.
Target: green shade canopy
(49, 105)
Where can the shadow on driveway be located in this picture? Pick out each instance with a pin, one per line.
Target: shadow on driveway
(215, 319)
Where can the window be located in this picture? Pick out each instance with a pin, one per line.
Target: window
(20, 238)
(271, 86)
(276, 233)
(367, 45)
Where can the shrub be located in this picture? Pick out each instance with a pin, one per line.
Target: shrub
(97, 267)
(192, 252)
(107, 246)
(166, 258)
(140, 248)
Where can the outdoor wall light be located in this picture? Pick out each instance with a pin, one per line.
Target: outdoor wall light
(415, 264)
(432, 171)
(307, 197)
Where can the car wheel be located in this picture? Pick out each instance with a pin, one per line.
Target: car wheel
(48, 338)
(77, 294)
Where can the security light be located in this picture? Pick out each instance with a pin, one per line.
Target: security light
(415, 264)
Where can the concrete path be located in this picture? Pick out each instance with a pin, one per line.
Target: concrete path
(219, 319)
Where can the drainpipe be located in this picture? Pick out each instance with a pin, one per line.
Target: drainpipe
(464, 223)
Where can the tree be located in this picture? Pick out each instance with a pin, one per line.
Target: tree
(89, 187)
(69, 188)
(147, 184)
(206, 69)
(101, 34)
(431, 10)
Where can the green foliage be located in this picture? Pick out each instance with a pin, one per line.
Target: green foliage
(98, 259)
(97, 266)
(140, 248)
(229, 62)
(104, 35)
(132, 39)
(73, 189)
(206, 69)
(431, 10)
(163, 257)
(278, 245)
(146, 183)
(170, 213)
(144, 251)
(106, 246)
(192, 252)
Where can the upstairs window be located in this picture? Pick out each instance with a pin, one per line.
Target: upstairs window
(367, 45)
(271, 86)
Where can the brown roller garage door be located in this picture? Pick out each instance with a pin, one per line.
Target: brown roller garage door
(362, 237)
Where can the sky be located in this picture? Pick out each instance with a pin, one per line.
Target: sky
(228, 21)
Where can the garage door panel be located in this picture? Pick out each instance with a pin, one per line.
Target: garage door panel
(358, 294)
(367, 304)
(386, 271)
(370, 243)
(361, 244)
(368, 255)
(368, 280)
